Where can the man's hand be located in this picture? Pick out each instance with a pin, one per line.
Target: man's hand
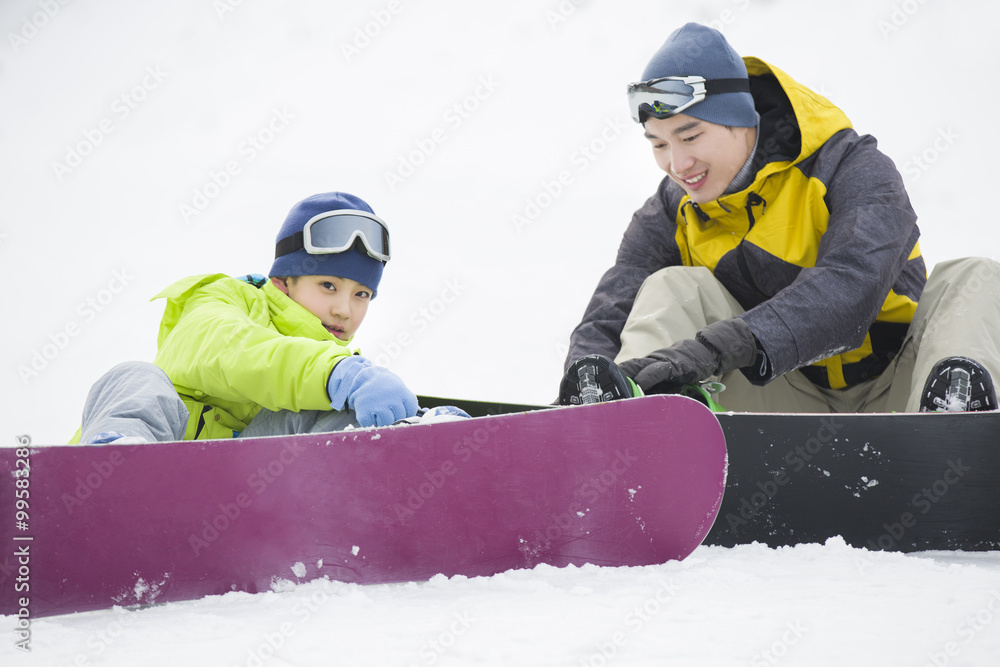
(716, 349)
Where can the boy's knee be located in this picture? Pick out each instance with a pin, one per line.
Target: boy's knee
(136, 368)
(130, 380)
(134, 373)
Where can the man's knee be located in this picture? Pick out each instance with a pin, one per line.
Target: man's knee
(688, 275)
(965, 270)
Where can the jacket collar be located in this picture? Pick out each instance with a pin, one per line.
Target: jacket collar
(291, 319)
(795, 122)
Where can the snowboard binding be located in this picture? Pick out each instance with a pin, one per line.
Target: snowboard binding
(705, 392)
(440, 413)
(595, 379)
(958, 384)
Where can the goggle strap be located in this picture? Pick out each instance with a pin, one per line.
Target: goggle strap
(289, 244)
(718, 86)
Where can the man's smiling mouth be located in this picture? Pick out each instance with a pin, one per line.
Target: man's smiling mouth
(695, 179)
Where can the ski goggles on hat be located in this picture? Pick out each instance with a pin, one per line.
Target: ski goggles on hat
(670, 95)
(336, 231)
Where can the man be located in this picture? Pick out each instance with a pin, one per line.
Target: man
(779, 255)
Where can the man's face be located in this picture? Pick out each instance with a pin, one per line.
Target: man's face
(340, 303)
(701, 157)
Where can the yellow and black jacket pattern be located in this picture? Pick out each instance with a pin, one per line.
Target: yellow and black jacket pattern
(820, 249)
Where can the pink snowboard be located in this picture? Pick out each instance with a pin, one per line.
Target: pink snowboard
(634, 482)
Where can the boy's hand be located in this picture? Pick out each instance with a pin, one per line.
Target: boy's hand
(376, 395)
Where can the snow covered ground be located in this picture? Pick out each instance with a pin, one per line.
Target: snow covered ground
(144, 142)
(810, 605)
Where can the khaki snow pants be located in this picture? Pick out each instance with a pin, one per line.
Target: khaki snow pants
(958, 315)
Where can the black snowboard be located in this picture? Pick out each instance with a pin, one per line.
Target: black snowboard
(890, 482)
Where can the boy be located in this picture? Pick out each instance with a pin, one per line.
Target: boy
(780, 255)
(253, 356)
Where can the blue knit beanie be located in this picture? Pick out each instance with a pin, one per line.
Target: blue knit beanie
(355, 263)
(697, 50)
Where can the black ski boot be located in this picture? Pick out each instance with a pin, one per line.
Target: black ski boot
(958, 384)
(595, 379)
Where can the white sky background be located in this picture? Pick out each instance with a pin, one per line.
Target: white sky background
(258, 105)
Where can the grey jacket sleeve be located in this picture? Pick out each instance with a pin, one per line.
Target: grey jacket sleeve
(648, 246)
(872, 229)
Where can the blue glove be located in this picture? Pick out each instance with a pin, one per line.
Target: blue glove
(376, 395)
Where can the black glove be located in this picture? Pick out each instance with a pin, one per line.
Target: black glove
(716, 349)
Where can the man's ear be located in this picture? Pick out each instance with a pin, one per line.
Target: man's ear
(280, 284)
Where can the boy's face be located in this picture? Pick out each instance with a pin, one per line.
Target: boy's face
(701, 157)
(340, 303)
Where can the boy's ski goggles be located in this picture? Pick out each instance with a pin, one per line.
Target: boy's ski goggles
(663, 98)
(336, 231)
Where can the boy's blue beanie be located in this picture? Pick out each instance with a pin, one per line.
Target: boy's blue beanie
(697, 50)
(355, 264)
